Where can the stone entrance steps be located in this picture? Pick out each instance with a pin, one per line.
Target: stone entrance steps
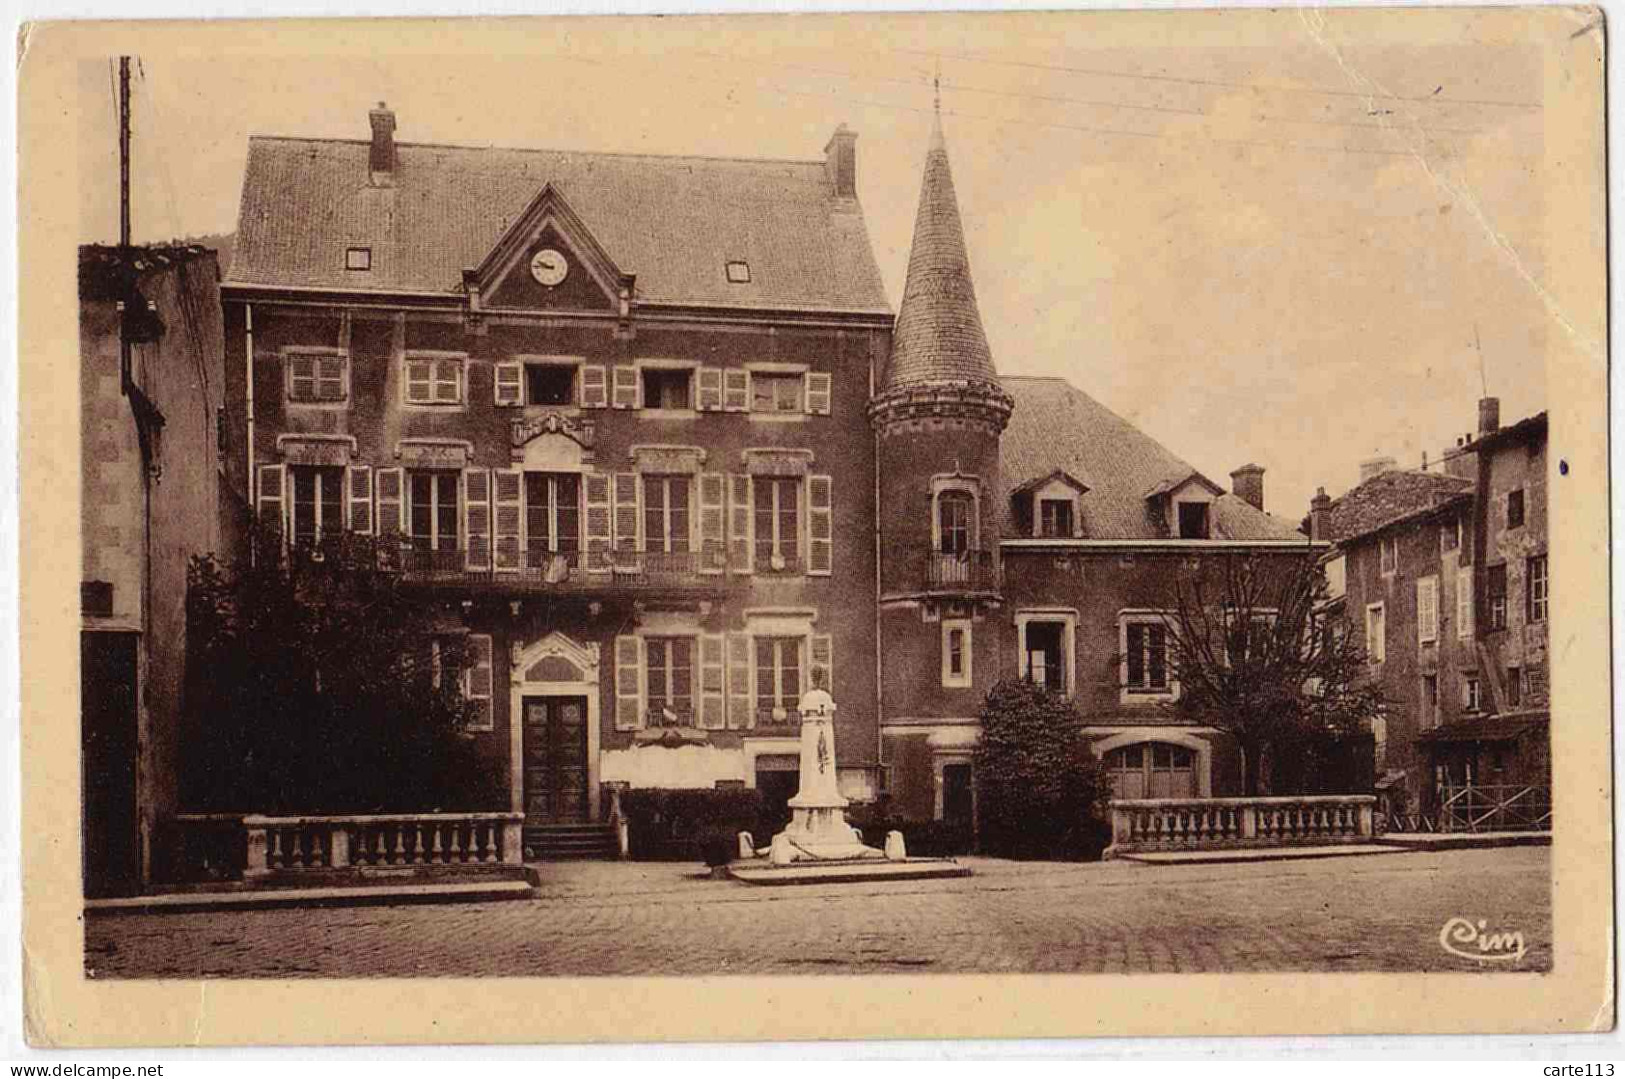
(552, 842)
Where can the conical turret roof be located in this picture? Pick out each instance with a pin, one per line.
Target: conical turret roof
(938, 335)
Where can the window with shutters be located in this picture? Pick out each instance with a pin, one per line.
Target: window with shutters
(1376, 633)
(669, 680)
(550, 384)
(666, 513)
(317, 377)
(1145, 655)
(552, 513)
(713, 529)
(777, 523)
(1495, 597)
(1471, 693)
(1538, 588)
(433, 378)
(779, 682)
(668, 389)
(317, 506)
(956, 652)
(776, 393)
(1388, 553)
(820, 525)
(432, 510)
(1427, 610)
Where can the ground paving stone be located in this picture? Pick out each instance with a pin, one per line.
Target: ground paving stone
(613, 918)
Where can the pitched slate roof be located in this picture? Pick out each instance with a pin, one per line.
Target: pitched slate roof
(675, 222)
(939, 333)
(1391, 497)
(1057, 426)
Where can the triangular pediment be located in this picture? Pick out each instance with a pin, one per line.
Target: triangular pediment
(547, 260)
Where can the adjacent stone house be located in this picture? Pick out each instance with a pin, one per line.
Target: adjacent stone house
(153, 494)
(1447, 580)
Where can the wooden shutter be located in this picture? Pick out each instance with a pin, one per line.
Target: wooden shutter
(477, 518)
(740, 548)
(741, 682)
(271, 501)
(627, 385)
(736, 390)
(628, 683)
(508, 387)
(713, 681)
(627, 517)
(598, 532)
(359, 505)
(820, 532)
(1464, 604)
(709, 395)
(713, 522)
(818, 393)
(594, 386)
(477, 683)
(821, 666)
(508, 487)
(1427, 609)
(389, 483)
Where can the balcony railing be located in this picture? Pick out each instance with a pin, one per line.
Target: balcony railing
(965, 572)
(564, 571)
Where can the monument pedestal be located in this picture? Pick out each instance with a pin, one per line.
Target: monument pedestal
(819, 847)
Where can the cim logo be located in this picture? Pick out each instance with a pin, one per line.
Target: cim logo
(1468, 939)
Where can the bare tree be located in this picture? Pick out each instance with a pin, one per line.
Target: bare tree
(1255, 653)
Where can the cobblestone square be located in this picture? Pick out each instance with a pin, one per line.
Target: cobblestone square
(1381, 913)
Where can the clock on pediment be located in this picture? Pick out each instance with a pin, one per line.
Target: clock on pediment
(549, 267)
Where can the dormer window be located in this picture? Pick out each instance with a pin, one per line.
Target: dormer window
(739, 273)
(358, 258)
(1055, 518)
(1193, 520)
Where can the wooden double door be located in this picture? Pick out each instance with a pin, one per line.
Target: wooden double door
(555, 760)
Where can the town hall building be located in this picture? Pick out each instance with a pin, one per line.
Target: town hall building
(646, 430)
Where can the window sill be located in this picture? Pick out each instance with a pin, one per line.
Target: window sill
(543, 410)
(434, 406)
(667, 414)
(330, 405)
(778, 417)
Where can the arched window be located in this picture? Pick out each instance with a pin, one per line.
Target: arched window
(1152, 770)
(956, 512)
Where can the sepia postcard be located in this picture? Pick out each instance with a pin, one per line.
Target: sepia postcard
(893, 526)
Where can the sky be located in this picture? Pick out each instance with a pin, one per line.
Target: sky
(1301, 255)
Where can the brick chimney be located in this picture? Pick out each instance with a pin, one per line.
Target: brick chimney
(841, 162)
(1248, 483)
(1489, 415)
(1376, 466)
(381, 162)
(1320, 516)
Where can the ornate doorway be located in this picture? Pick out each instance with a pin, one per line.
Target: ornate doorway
(554, 697)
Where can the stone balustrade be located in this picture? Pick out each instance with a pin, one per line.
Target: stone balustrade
(278, 845)
(1174, 824)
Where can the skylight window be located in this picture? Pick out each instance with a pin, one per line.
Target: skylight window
(739, 273)
(358, 258)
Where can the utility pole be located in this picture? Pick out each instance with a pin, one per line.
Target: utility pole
(124, 151)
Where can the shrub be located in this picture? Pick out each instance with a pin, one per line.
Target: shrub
(673, 824)
(1040, 791)
(717, 846)
(923, 838)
